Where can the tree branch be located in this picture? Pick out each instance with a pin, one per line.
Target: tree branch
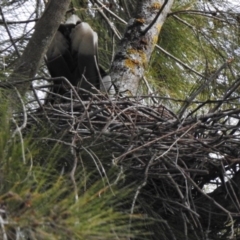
(33, 54)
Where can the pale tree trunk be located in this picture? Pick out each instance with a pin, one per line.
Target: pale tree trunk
(45, 29)
(137, 45)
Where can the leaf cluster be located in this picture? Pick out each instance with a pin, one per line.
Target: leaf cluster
(38, 200)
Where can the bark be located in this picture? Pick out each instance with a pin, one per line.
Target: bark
(33, 55)
(137, 45)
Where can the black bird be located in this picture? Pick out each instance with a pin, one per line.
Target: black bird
(73, 55)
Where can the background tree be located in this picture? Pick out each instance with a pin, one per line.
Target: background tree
(173, 156)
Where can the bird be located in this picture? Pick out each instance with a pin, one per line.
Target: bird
(73, 54)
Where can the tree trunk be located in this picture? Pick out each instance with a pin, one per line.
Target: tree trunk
(33, 55)
(137, 45)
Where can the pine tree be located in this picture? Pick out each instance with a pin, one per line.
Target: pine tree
(166, 142)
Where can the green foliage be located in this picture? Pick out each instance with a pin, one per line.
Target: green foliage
(203, 38)
(38, 202)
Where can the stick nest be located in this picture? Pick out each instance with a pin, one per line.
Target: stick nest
(178, 156)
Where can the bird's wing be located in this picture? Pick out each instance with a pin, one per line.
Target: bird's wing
(58, 57)
(84, 47)
(60, 63)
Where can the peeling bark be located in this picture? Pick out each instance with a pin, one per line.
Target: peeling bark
(137, 45)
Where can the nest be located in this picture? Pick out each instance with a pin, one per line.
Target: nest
(176, 156)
